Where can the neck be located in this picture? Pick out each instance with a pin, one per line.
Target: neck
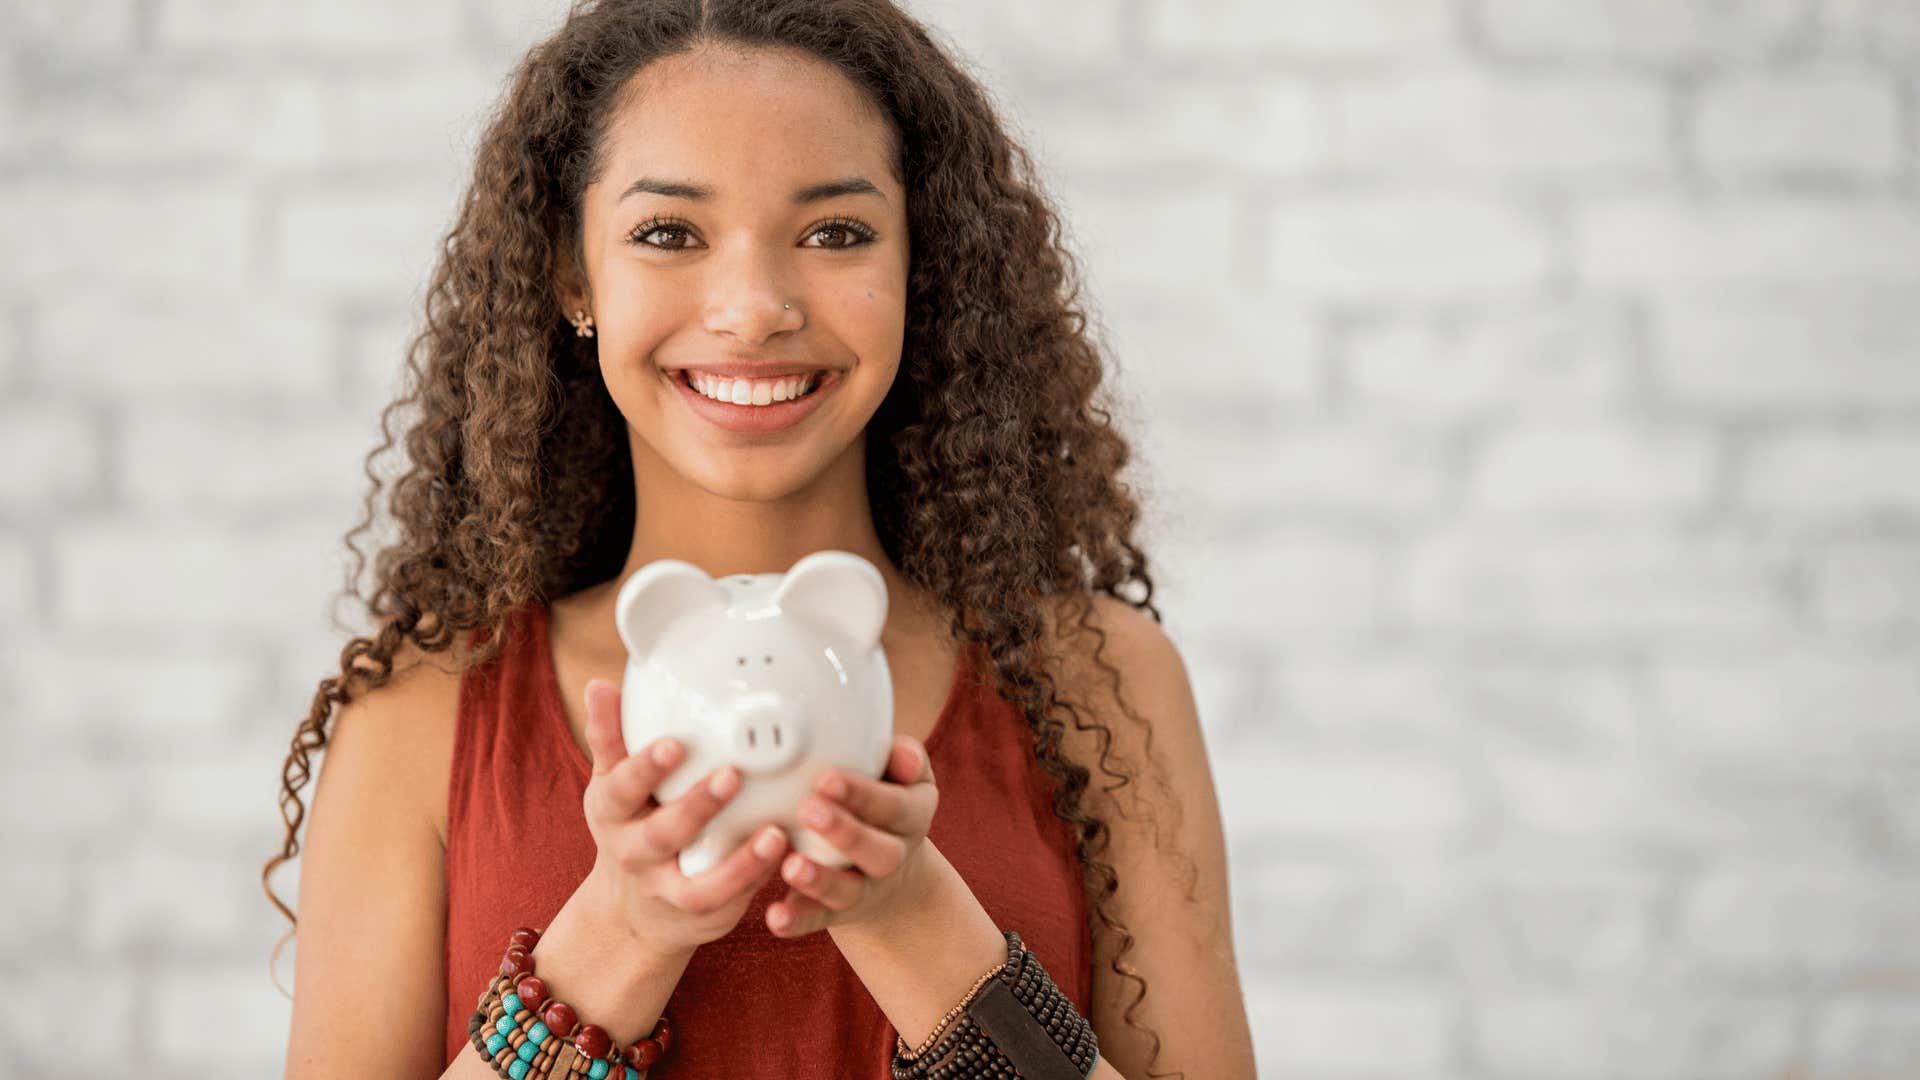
(676, 519)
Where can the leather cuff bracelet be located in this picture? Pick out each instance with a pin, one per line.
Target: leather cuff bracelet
(1014, 1022)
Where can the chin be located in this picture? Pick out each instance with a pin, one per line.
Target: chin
(775, 479)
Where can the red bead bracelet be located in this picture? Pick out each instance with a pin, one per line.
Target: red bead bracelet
(590, 1040)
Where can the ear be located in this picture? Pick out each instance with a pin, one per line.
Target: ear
(569, 284)
(837, 589)
(657, 595)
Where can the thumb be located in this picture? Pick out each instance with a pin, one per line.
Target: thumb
(914, 764)
(604, 737)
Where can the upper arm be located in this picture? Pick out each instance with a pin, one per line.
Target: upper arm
(1182, 945)
(369, 977)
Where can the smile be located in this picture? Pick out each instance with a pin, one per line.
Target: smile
(753, 406)
(752, 391)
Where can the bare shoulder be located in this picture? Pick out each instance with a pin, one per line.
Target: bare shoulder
(413, 717)
(1122, 661)
(1166, 845)
(1126, 635)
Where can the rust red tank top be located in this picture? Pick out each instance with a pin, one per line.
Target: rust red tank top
(749, 1004)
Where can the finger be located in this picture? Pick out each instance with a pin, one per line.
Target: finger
(903, 809)
(745, 869)
(675, 825)
(882, 804)
(628, 787)
(604, 738)
(872, 850)
(795, 915)
(909, 762)
(833, 887)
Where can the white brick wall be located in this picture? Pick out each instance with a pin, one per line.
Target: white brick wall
(1844, 122)
(1463, 122)
(1547, 1031)
(1643, 33)
(1528, 402)
(1302, 31)
(1788, 354)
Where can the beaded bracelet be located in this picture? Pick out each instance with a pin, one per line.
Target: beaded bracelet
(939, 1029)
(523, 1033)
(1016, 1024)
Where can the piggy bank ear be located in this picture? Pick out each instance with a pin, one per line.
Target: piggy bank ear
(837, 589)
(657, 595)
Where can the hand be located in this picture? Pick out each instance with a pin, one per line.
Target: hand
(637, 867)
(881, 826)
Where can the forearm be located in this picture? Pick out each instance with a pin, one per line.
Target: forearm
(589, 960)
(918, 964)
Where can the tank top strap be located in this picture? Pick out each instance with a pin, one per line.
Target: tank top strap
(517, 844)
(510, 731)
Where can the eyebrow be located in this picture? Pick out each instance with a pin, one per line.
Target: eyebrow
(812, 193)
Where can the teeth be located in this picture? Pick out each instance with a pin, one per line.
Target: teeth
(749, 391)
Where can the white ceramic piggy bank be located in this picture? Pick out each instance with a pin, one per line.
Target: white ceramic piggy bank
(780, 675)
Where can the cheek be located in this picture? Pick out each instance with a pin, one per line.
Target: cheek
(634, 333)
(872, 318)
(648, 305)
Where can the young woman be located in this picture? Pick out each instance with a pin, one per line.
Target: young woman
(736, 281)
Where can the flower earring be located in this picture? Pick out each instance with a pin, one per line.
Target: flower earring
(582, 323)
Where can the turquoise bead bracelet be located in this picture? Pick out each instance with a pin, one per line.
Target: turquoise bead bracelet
(524, 1033)
(537, 1035)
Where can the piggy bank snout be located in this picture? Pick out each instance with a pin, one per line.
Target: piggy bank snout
(765, 732)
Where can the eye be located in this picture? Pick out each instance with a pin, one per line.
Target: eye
(846, 227)
(660, 224)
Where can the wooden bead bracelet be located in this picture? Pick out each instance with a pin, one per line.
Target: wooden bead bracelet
(523, 1032)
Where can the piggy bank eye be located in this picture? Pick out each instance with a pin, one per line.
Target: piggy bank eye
(768, 659)
(741, 660)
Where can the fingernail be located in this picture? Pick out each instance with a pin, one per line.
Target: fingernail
(722, 782)
(834, 786)
(768, 844)
(815, 815)
(664, 750)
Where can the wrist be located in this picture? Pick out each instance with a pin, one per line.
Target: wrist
(598, 908)
(590, 958)
(923, 952)
(921, 881)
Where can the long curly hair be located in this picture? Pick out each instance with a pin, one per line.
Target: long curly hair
(993, 463)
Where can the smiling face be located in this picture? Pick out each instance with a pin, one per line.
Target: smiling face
(747, 222)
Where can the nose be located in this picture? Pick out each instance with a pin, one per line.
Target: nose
(749, 298)
(768, 732)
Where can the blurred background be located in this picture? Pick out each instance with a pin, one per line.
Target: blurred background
(1528, 400)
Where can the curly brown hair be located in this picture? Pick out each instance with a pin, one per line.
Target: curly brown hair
(993, 464)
